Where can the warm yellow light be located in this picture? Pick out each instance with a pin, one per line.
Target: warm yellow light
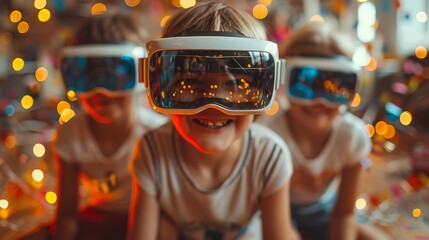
(71, 95)
(27, 102)
(132, 3)
(66, 115)
(360, 203)
(317, 18)
(390, 133)
(421, 52)
(164, 20)
(39, 4)
(37, 175)
(18, 64)
(61, 106)
(23, 27)
(356, 100)
(10, 141)
(405, 118)
(39, 150)
(187, 3)
(176, 3)
(98, 8)
(41, 74)
(51, 197)
(44, 15)
(15, 16)
(372, 65)
(4, 203)
(417, 212)
(273, 110)
(381, 128)
(370, 130)
(260, 11)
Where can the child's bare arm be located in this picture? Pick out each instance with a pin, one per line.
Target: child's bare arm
(67, 212)
(343, 223)
(276, 222)
(143, 220)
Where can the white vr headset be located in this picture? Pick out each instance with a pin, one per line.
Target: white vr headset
(112, 68)
(188, 74)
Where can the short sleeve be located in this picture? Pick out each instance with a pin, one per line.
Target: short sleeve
(274, 161)
(360, 144)
(143, 166)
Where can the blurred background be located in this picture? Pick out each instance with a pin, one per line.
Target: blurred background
(394, 101)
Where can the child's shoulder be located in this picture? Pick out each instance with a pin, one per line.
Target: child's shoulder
(261, 132)
(350, 122)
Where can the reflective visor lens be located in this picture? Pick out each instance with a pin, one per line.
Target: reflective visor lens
(234, 80)
(82, 74)
(308, 83)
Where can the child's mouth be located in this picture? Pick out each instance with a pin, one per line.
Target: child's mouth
(212, 124)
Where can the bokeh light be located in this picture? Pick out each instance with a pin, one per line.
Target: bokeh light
(71, 95)
(51, 197)
(417, 212)
(39, 150)
(187, 3)
(132, 3)
(23, 27)
(381, 128)
(41, 74)
(356, 100)
(405, 118)
(4, 203)
(317, 18)
(27, 101)
(260, 11)
(370, 129)
(98, 8)
(372, 64)
(39, 4)
(61, 106)
(10, 141)
(18, 64)
(164, 20)
(37, 175)
(421, 52)
(66, 115)
(360, 203)
(422, 17)
(15, 16)
(273, 110)
(44, 15)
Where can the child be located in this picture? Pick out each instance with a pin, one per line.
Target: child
(327, 143)
(211, 173)
(96, 145)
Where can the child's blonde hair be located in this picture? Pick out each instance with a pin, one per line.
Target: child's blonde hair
(213, 16)
(318, 39)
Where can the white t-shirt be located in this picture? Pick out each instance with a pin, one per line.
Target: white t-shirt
(106, 179)
(263, 167)
(317, 178)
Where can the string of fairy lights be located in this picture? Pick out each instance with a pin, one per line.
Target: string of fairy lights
(34, 180)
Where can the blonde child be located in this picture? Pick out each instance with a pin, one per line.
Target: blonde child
(211, 173)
